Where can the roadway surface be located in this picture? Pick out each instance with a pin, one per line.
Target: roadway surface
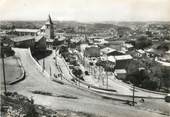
(158, 104)
(121, 87)
(36, 80)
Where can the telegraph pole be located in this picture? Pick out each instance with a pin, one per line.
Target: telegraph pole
(3, 67)
(43, 65)
(107, 78)
(107, 71)
(133, 103)
(50, 71)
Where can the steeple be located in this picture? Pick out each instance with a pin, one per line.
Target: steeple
(49, 28)
(49, 19)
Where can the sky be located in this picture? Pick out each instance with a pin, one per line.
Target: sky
(86, 10)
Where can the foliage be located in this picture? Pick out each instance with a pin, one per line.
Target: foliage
(137, 77)
(149, 84)
(63, 49)
(32, 111)
(78, 73)
(142, 42)
(86, 73)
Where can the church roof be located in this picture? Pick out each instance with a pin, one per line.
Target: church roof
(22, 38)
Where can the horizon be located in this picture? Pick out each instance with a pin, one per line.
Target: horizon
(86, 21)
(86, 10)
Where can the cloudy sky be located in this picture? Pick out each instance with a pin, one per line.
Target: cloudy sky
(86, 10)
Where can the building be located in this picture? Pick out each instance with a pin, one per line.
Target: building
(92, 52)
(36, 42)
(107, 50)
(122, 61)
(24, 32)
(48, 29)
(120, 73)
(40, 42)
(23, 41)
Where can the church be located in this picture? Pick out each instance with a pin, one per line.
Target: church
(42, 38)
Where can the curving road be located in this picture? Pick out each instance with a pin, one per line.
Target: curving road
(36, 80)
(121, 87)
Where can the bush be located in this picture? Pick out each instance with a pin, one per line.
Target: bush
(77, 72)
(142, 42)
(149, 84)
(137, 77)
(31, 112)
(86, 73)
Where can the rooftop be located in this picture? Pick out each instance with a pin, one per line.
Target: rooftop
(107, 50)
(22, 38)
(123, 57)
(120, 71)
(39, 37)
(26, 30)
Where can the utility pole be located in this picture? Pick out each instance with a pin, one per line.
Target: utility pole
(3, 67)
(107, 78)
(43, 65)
(107, 71)
(133, 103)
(50, 71)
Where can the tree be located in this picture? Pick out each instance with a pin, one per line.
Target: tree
(137, 77)
(142, 42)
(149, 84)
(166, 78)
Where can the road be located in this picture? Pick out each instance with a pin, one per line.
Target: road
(36, 80)
(121, 87)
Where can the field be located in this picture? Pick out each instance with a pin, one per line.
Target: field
(12, 69)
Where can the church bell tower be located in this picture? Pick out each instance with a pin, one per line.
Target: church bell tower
(49, 28)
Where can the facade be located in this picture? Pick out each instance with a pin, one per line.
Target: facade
(23, 41)
(48, 29)
(120, 73)
(40, 42)
(36, 42)
(122, 61)
(24, 32)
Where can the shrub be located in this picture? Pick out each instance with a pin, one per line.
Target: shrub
(149, 84)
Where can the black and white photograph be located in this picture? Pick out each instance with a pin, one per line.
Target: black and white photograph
(85, 58)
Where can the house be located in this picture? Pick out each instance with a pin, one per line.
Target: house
(24, 32)
(106, 50)
(40, 42)
(115, 53)
(128, 46)
(36, 42)
(122, 61)
(120, 73)
(92, 52)
(140, 53)
(24, 41)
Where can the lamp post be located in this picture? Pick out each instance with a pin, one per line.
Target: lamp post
(3, 67)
